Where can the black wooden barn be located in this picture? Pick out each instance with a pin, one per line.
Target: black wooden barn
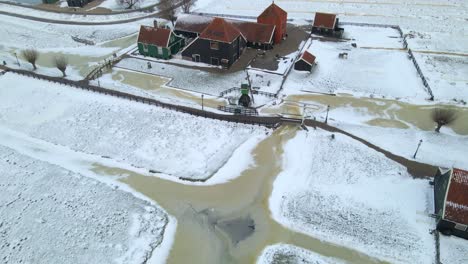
(220, 43)
(305, 63)
(327, 25)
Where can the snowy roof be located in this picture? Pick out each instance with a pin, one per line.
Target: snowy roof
(456, 203)
(325, 20)
(155, 36)
(252, 31)
(220, 30)
(307, 57)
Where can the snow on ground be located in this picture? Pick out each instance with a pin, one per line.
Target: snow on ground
(194, 79)
(436, 20)
(446, 75)
(453, 250)
(340, 191)
(366, 72)
(70, 16)
(51, 215)
(375, 37)
(440, 149)
(115, 5)
(22, 33)
(285, 253)
(162, 140)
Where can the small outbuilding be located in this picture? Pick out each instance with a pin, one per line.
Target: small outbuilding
(274, 15)
(451, 202)
(327, 25)
(305, 63)
(220, 43)
(159, 42)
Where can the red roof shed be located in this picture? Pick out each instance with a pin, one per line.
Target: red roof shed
(274, 15)
(456, 203)
(324, 20)
(155, 36)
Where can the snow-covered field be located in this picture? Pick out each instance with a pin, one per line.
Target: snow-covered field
(340, 191)
(447, 75)
(51, 215)
(115, 5)
(162, 140)
(365, 72)
(212, 83)
(373, 37)
(284, 253)
(70, 16)
(433, 21)
(453, 250)
(440, 149)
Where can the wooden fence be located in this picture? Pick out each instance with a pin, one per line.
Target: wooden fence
(420, 73)
(84, 85)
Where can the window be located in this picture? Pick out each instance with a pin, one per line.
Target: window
(214, 45)
(460, 227)
(145, 47)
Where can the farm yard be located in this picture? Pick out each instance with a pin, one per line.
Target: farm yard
(294, 132)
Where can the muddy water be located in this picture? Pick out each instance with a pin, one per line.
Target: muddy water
(81, 62)
(156, 85)
(200, 211)
(383, 112)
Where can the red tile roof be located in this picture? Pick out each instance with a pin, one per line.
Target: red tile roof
(255, 32)
(308, 57)
(220, 30)
(252, 31)
(156, 36)
(456, 204)
(274, 11)
(324, 20)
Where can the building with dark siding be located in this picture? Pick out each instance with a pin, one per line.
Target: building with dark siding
(326, 25)
(305, 63)
(257, 35)
(220, 43)
(78, 3)
(451, 202)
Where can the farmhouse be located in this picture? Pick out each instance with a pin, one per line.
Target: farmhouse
(327, 25)
(220, 43)
(451, 202)
(274, 15)
(159, 42)
(305, 63)
(78, 3)
(257, 35)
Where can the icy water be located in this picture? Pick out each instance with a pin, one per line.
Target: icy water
(203, 212)
(383, 112)
(156, 85)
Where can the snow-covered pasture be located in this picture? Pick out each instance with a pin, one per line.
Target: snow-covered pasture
(340, 191)
(373, 37)
(285, 253)
(441, 22)
(453, 250)
(447, 75)
(52, 215)
(386, 73)
(201, 81)
(443, 149)
(144, 136)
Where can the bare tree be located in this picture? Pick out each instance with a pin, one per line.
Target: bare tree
(443, 117)
(187, 5)
(31, 56)
(128, 4)
(168, 10)
(61, 63)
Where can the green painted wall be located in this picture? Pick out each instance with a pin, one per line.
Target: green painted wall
(176, 44)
